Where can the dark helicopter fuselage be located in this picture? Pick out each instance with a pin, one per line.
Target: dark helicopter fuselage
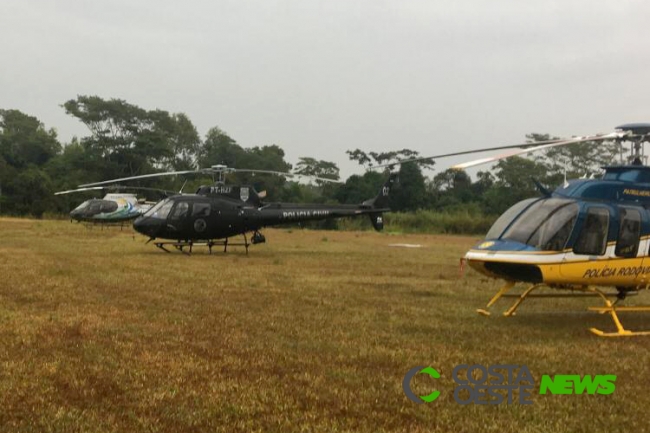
(221, 211)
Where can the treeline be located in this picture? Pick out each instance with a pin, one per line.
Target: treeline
(126, 140)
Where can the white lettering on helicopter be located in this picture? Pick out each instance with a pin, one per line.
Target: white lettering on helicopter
(630, 271)
(304, 214)
(220, 190)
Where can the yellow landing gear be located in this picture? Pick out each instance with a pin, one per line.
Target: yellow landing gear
(613, 310)
(609, 307)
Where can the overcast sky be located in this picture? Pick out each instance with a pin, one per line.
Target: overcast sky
(321, 77)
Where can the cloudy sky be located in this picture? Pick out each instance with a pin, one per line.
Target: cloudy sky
(322, 77)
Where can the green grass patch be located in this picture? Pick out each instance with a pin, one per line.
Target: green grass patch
(100, 332)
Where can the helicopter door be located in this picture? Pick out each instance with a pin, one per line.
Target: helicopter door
(200, 217)
(627, 246)
(178, 220)
(629, 233)
(592, 239)
(589, 245)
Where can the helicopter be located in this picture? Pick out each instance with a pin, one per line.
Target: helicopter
(119, 208)
(218, 212)
(583, 237)
(113, 208)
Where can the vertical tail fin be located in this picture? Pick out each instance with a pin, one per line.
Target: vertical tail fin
(380, 202)
(377, 220)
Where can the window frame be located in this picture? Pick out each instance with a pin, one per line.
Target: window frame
(205, 208)
(625, 212)
(173, 214)
(603, 250)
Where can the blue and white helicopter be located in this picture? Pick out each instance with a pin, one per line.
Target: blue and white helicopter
(585, 236)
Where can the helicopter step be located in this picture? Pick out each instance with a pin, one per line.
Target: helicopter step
(576, 292)
(186, 247)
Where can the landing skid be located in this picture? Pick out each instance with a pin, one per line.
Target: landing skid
(186, 247)
(576, 292)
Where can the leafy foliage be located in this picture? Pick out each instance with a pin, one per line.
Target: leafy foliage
(126, 140)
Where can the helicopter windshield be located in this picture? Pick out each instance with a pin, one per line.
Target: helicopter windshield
(83, 205)
(545, 225)
(507, 217)
(160, 210)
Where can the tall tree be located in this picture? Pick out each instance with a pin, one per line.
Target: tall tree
(577, 159)
(24, 140)
(25, 147)
(409, 194)
(312, 167)
(358, 188)
(371, 159)
(219, 148)
(133, 140)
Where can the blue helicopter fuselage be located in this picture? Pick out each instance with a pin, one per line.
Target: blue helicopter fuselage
(587, 232)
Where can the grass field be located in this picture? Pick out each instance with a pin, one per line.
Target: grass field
(312, 331)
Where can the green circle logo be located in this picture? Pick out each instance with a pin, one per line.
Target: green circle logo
(406, 384)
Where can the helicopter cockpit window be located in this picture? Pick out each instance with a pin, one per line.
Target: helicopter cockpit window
(504, 220)
(95, 207)
(627, 244)
(553, 234)
(180, 211)
(629, 175)
(107, 206)
(160, 210)
(592, 239)
(201, 210)
(546, 224)
(83, 205)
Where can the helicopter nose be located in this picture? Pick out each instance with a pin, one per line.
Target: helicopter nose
(147, 226)
(77, 215)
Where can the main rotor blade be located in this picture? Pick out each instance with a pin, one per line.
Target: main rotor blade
(143, 176)
(211, 170)
(117, 187)
(70, 191)
(467, 152)
(282, 173)
(537, 146)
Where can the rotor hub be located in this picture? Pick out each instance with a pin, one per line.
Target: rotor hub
(637, 134)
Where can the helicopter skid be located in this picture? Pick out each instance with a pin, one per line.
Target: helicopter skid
(186, 247)
(620, 330)
(576, 292)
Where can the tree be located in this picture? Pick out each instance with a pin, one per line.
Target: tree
(373, 158)
(409, 194)
(575, 160)
(133, 140)
(358, 188)
(312, 167)
(25, 147)
(24, 140)
(219, 148)
(514, 182)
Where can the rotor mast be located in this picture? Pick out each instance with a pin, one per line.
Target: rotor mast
(220, 171)
(637, 134)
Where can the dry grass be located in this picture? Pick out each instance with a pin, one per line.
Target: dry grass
(310, 332)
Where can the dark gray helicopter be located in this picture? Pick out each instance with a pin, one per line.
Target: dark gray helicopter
(218, 212)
